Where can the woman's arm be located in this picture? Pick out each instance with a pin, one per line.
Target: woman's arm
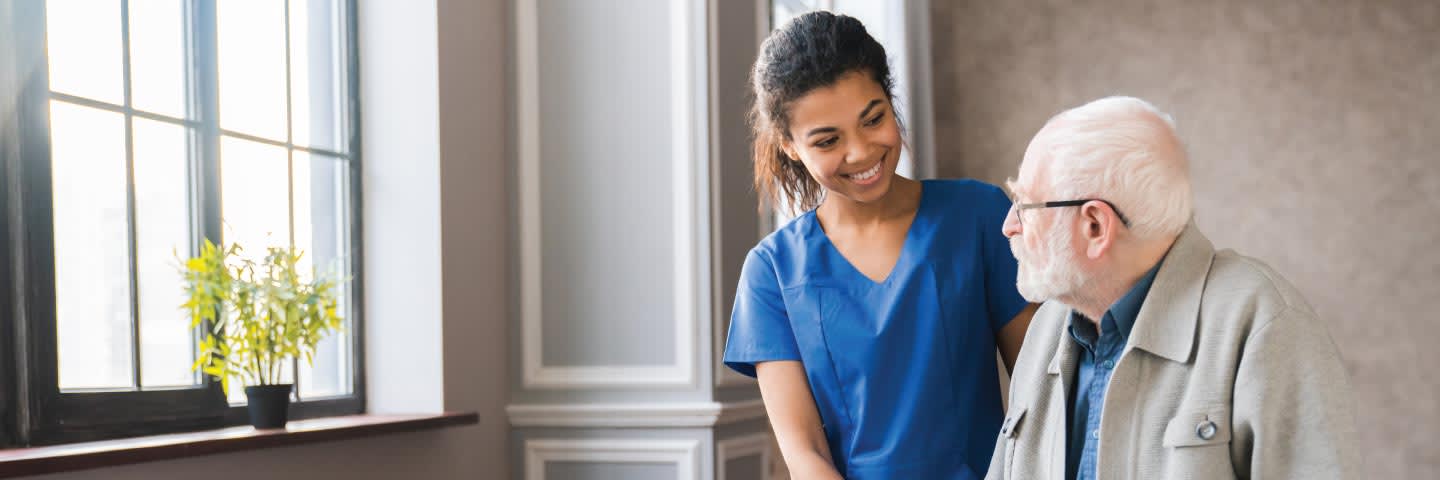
(1012, 335)
(795, 419)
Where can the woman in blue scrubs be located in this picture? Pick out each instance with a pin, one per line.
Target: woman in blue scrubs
(872, 320)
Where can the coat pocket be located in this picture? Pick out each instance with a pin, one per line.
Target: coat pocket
(1197, 445)
(1198, 428)
(1008, 432)
(1011, 427)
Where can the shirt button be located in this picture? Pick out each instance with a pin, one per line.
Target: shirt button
(1108, 364)
(1095, 434)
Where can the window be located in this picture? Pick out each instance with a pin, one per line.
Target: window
(140, 128)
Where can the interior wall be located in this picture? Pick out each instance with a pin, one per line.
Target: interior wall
(1313, 128)
(474, 86)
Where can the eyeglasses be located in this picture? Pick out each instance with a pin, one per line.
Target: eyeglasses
(1020, 208)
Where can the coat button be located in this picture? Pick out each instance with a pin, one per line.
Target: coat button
(1206, 430)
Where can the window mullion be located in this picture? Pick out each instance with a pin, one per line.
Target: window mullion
(290, 171)
(356, 286)
(205, 110)
(135, 370)
(208, 116)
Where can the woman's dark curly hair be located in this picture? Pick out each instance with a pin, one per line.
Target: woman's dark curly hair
(812, 51)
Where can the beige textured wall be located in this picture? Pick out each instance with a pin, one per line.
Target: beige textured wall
(1314, 128)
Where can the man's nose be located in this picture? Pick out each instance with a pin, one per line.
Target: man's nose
(1012, 223)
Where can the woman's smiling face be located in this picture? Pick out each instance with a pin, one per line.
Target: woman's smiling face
(847, 137)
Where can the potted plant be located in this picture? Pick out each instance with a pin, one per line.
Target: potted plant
(256, 317)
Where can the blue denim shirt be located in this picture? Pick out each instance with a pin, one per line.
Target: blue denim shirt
(1098, 354)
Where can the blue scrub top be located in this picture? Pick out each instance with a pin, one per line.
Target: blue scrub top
(903, 371)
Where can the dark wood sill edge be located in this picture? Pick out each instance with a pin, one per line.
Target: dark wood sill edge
(89, 455)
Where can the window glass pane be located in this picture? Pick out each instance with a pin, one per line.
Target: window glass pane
(162, 233)
(317, 78)
(321, 187)
(252, 66)
(157, 56)
(329, 376)
(83, 45)
(255, 203)
(92, 253)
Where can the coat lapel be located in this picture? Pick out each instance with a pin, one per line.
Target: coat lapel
(1061, 370)
(1167, 319)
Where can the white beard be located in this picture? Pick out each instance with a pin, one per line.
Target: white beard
(1061, 275)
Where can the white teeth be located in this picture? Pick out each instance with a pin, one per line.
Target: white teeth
(865, 175)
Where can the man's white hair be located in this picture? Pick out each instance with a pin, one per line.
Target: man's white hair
(1126, 151)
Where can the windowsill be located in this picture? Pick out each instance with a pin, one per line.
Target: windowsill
(88, 455)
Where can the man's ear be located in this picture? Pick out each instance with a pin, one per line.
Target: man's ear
(1099, 227)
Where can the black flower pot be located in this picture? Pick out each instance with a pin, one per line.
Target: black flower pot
(269, 405)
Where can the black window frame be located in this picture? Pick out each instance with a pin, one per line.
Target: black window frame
(33, 409)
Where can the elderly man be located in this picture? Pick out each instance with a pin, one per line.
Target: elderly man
(1155, 356)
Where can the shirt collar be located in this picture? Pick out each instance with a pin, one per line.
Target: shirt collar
(1120, 318)
(1166, 324)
